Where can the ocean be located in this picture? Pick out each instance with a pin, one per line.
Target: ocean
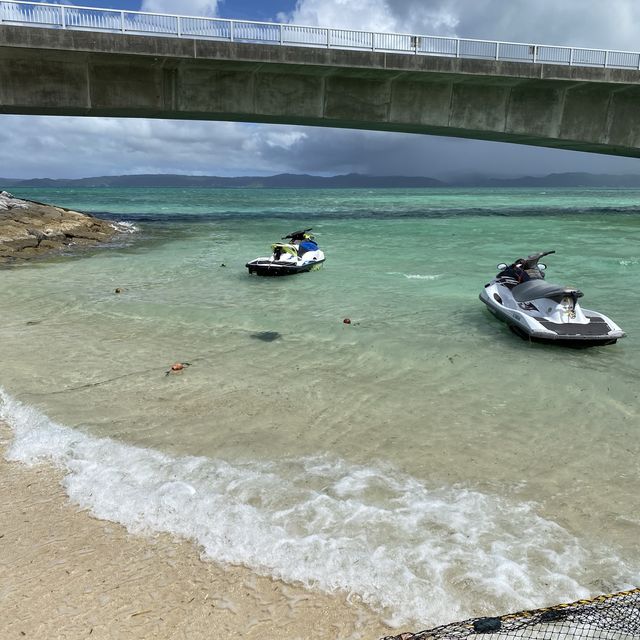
(421, 458)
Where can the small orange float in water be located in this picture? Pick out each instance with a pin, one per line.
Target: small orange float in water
(178, 366)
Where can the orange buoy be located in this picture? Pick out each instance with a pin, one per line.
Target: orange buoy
(178, 366)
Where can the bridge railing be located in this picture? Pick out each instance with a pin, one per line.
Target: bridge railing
(59, 16)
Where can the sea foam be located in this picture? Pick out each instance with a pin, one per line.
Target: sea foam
(417, 554)
(124, 226)
(415, 276)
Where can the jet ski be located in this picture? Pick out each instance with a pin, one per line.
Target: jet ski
(299, 253)
(539, 311)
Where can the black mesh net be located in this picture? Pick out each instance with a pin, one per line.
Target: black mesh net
(608, 617)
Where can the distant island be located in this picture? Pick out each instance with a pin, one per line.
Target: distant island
(280, 181)
(347, 181)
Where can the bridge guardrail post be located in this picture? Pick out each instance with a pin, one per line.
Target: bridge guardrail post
(63, 17)
(122, 21)
(231, 34)
(606, 58)
(328, 38)
(497, 51)
(179, 27)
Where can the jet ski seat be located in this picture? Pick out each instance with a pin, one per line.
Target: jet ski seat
(535, 289)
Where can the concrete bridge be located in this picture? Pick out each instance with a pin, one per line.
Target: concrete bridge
(83, 73)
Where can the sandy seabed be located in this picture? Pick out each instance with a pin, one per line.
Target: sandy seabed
(67, 575)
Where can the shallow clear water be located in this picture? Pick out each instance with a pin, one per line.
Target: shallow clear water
(422, 457)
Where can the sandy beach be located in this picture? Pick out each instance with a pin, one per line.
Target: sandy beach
(68, 575)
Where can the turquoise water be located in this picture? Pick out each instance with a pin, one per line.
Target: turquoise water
(422, 457)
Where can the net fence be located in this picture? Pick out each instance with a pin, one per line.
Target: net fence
(613, 616)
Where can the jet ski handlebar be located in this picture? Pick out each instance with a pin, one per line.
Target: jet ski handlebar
(531, 261)
(529, 264)
(296, 235)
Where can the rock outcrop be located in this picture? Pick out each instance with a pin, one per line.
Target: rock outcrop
(31, 229)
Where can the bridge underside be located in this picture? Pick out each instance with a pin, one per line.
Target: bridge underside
(56, 72)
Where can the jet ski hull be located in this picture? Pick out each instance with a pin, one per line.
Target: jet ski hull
(599, 331)
(271, 268)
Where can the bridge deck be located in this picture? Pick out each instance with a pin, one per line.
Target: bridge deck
(66, 72)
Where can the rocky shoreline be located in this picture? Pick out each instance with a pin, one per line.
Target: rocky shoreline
(31, 229)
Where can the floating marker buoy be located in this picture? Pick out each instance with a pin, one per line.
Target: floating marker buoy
(347, 321)
(178, 366)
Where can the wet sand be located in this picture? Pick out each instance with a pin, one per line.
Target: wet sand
(68, 575)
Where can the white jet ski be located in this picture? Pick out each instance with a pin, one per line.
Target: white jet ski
(543, 312)
(300, 253)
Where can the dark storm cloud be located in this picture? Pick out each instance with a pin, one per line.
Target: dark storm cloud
(379, 153)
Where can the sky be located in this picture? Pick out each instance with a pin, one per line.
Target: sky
(69, 147)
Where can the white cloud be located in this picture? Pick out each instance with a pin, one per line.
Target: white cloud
(365, 15)
(284, 139)
(207, 8)
(80, 147)
(588, 23)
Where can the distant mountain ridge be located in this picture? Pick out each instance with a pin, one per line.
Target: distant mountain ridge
(347, 181)
(553, 180)
(284, 180)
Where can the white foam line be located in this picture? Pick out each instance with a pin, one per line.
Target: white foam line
(417, 554)
(125, 227)
(415, 276)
